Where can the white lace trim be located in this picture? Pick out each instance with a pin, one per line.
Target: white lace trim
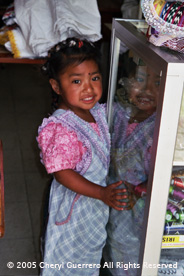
(160, 25)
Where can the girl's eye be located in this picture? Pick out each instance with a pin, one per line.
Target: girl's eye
(157, 83)
(96, 78)
(76, 81)
(139, 79)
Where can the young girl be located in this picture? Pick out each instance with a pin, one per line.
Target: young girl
(75, 146)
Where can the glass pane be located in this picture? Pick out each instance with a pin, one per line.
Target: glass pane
(132, 127)
(179, 148)
(172, 252)
(140, 25)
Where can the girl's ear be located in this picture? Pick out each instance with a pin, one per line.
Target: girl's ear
(55, 85)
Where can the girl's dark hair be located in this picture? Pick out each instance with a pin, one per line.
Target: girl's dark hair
(69, 52)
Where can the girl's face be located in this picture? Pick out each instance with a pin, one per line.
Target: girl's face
(144, 89)
(80, 86)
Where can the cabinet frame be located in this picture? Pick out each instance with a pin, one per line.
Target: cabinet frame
(170, 66)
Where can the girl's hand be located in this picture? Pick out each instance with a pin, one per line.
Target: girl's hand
(135, 192)
(111, 196)
(132, 197)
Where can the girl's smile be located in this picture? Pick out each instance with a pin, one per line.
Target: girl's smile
(145, 102)
(88, 100)
(80, 87)
(144, 90)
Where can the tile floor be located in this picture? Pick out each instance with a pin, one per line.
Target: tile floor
(24, 100)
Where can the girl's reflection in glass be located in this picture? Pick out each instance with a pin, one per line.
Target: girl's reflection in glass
(132, 137)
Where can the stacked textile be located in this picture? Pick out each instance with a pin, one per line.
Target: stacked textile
(33, 27)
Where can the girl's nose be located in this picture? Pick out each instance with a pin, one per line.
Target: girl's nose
(88, 87)
(148, 87)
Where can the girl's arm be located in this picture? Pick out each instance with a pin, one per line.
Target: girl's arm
(110, 195)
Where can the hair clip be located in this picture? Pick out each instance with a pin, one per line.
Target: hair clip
(58, 48)
(72, 43)
(80, 44)
(45, 67)
(91, 44)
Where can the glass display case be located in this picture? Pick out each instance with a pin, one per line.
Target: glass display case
(146, 120)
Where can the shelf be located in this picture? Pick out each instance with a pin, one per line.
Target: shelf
(178, 163)
(7, 57)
